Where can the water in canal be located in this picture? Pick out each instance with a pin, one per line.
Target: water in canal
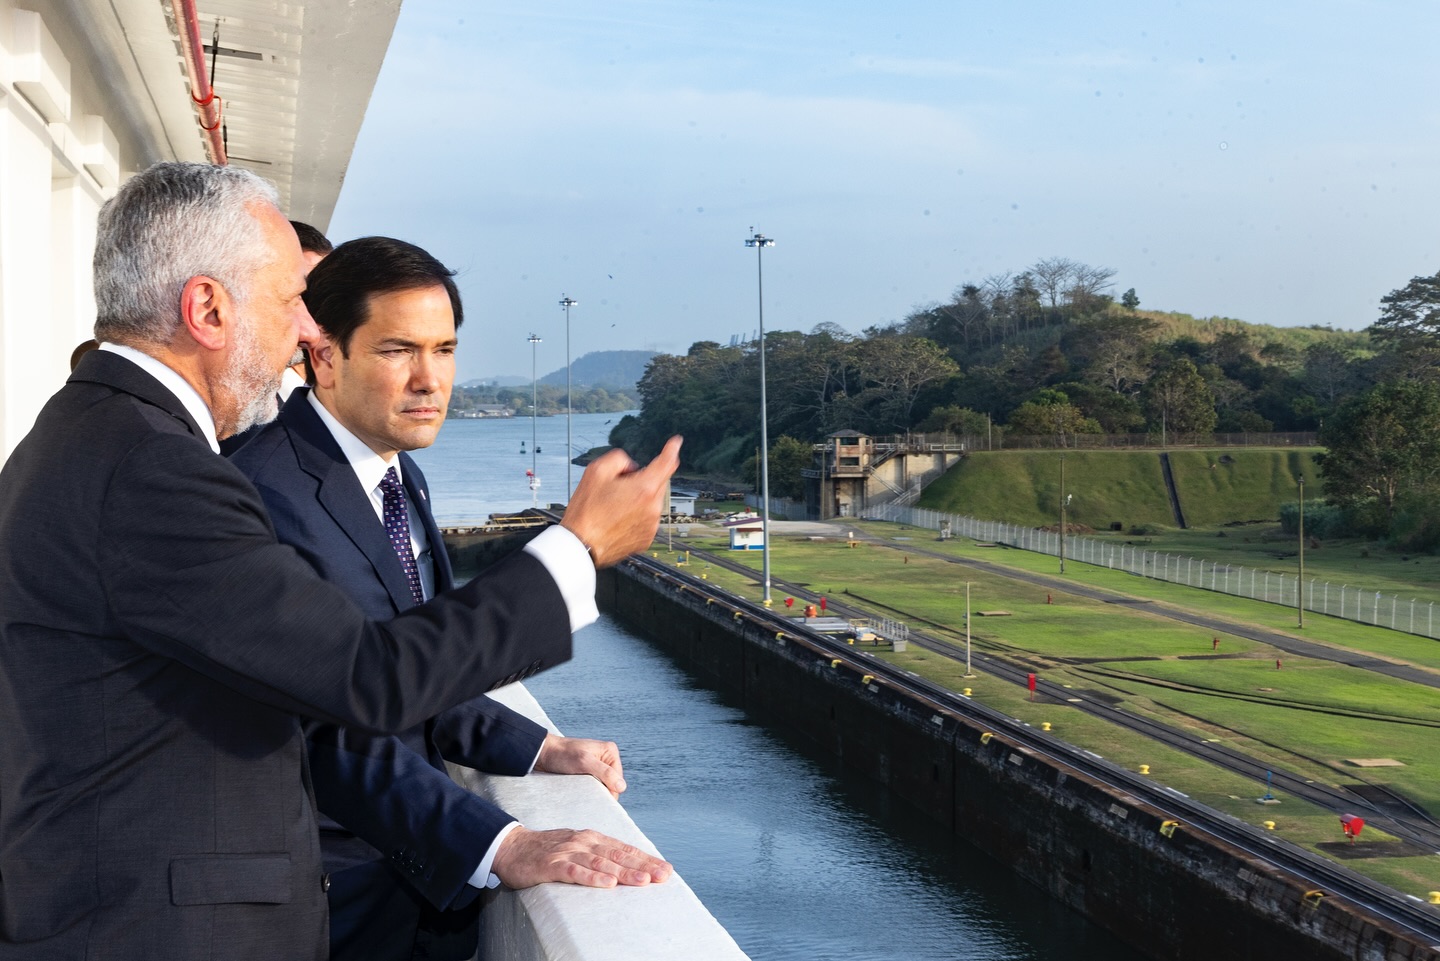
(797, 858)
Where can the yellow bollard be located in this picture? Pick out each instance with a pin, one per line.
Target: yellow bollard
(967, 692)
(780, 635)
(835, 662)
(867, 678)
(985, 738)
(1269, 825)
(1144, 769)
(1167, 828)
(1044, 725)
(767, 603)
(1435, 897)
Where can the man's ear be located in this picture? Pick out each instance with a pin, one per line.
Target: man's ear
(322, 361)
(206, 312)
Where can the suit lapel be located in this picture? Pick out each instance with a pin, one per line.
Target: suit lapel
(419, 493)
(113, 370)
(340, 494)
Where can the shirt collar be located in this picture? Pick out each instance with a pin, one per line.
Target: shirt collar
(289, 380)
(369, 466)
(188, 396)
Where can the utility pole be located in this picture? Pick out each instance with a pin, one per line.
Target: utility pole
(760, 242)
(1063, 502)
(1300, 581)
(567, 303)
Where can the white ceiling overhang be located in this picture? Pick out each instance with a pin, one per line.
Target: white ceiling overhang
(295, 79)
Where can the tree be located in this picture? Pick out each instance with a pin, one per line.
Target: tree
(1115, 349)
(1051, 277)
(954, 419)
(1088, 285)
(1130, 300)
(1178, 399)
(1382, 446)
(895, 370)
(1411, 314)
(788, 457)
(1329, 373)
(1050, 414)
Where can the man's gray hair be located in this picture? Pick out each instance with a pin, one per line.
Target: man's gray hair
(166, 225)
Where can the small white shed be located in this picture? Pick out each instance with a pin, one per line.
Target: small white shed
(747, 533)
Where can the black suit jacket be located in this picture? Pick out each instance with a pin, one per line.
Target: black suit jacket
(393, 792)
(157, 647)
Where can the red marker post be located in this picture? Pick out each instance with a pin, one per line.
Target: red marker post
(1030, 683)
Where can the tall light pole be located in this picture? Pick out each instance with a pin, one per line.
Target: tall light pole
(760, 242)
(534, 411)
(1064, 502)
(567, 303)
(1300, 581)
(968, 672)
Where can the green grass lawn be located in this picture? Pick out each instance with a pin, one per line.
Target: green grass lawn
(1311, 716)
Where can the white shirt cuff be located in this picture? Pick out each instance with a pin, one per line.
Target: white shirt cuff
(570, 565)
(482, 878)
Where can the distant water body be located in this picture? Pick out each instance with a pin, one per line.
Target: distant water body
(797, 858)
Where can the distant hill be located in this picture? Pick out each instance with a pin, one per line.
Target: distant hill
(604, 368)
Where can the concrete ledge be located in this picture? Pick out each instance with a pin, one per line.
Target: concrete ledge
(563, 922)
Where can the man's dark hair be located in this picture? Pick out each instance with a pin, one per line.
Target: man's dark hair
(340, 285)
(311, 239)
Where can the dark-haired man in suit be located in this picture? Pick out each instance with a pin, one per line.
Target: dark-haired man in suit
(334, 473)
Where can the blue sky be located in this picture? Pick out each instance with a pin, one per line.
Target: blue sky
(1274, 162)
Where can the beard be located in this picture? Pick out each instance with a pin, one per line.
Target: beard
(251, 382)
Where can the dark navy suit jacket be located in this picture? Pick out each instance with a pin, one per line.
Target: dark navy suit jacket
(408, 838)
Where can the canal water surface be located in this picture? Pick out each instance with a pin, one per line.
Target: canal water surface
(797, 858)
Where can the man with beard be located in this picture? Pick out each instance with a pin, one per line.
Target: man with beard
(314, 247)
(158, 646)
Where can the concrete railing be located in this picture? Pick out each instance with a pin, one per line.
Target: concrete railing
(563, 922)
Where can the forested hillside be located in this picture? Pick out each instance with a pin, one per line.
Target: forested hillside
(1049, 351)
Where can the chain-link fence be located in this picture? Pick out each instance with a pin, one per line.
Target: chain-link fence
(1367, 606)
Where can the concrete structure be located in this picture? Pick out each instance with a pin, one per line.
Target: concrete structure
(563, 921)
(92, 91)
(854, 472)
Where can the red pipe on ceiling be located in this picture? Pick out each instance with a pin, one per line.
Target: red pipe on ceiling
(207, 101)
